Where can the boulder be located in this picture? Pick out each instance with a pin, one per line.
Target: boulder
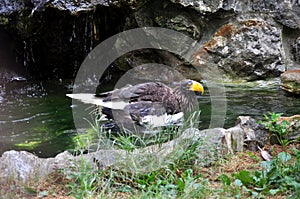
(248, 49)
(23, 167)
(290, 81)
(255, 135)
(285, 12)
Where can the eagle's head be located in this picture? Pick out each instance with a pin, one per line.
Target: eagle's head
(192, 85)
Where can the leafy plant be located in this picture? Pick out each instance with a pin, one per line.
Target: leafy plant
(279, 129)
(280, 175)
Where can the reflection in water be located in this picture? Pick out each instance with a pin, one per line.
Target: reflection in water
(37, 116)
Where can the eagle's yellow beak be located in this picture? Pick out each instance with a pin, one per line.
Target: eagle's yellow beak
(197, 87)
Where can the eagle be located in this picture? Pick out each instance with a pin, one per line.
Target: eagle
(144, 105)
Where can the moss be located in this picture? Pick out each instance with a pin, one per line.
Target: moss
(29, 145)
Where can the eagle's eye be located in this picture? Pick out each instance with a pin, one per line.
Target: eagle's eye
(189, 82)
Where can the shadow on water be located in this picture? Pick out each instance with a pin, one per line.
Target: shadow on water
(36, 117)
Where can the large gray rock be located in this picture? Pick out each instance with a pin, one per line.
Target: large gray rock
(285, 12)
(24, 167)
(248, 49)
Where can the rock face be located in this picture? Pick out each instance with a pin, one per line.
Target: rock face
(248, 49)
(242, 39)
(296, 50)
(290, 81)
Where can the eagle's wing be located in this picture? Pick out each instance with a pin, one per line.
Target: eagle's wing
(92, 99)
(150, 91)
(145, 92)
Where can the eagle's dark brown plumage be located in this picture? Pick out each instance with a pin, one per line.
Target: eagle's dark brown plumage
(135, 105)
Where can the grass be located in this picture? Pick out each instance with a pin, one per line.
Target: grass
(242, 175)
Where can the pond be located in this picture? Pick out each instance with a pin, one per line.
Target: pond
(37, 117)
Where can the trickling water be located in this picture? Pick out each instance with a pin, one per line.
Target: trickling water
(88, 34)
(73, 36)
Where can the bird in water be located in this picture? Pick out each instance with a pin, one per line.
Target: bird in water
(150, 104)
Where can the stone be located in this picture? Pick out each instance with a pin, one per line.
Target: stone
(24, 167)
(296, 50)
(293, 127)
(285, 12)
(290, 81)
(248, 49)
(254, 134)
(201, 6)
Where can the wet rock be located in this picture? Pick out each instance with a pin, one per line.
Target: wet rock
(201, 6)
(285, 12)
(58, 34)
(296, 50)
(290, 81)
(248, 49)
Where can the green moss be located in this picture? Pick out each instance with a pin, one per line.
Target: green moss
(29, 145)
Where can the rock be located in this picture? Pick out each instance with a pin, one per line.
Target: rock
(293, 127)
(201, 6)
(249, 49)
(285, 12)
(58, 34)
(290, 81)
(296, 50)
(24, 167)
(255, 134)
(242, 38)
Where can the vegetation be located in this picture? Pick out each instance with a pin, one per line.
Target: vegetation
(243, 175)
(279, 129)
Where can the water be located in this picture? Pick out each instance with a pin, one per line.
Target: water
(251, 99)
(37, 117)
